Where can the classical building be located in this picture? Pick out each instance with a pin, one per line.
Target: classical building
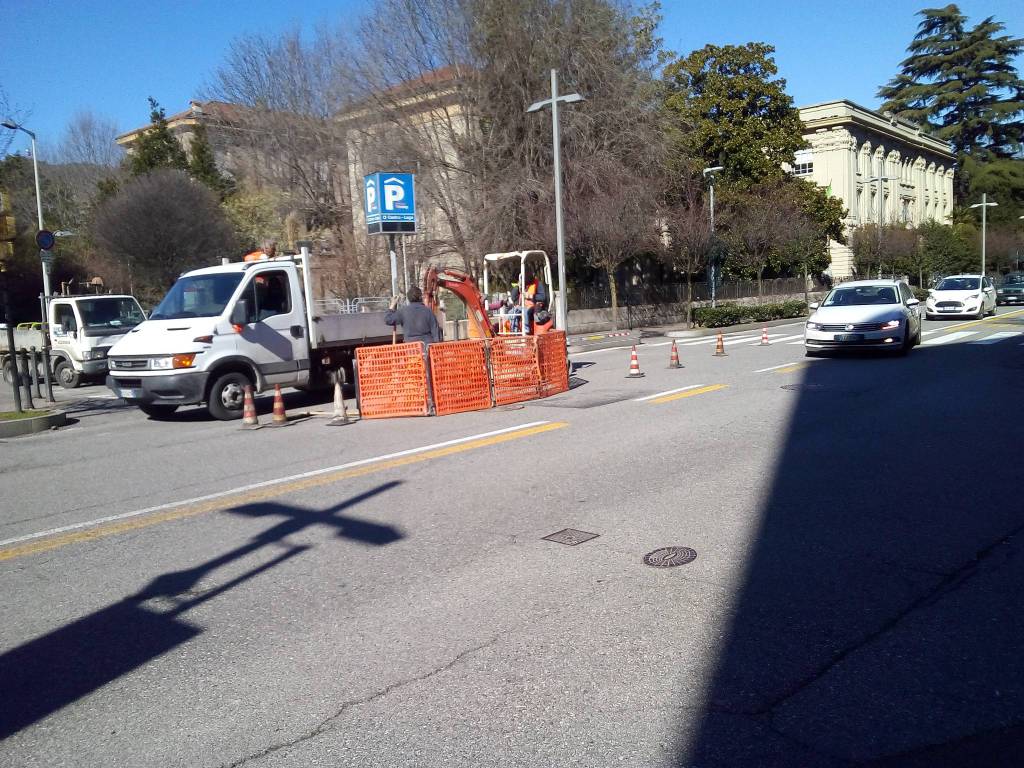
(851, 147)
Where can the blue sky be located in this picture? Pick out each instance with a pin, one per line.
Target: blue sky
(61, 56)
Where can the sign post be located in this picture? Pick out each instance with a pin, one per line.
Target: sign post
(389, 200)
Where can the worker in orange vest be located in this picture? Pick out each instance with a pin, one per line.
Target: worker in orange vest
(268, 251)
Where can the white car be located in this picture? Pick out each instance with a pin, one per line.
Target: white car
(865, 314)
(962, 295)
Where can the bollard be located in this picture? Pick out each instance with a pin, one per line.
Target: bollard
(26, 382)
(46, 375)
(33, 367)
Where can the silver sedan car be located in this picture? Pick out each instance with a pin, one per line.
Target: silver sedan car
(867, 314)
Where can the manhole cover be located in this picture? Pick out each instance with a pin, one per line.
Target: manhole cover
(802, 387)
(510, 408)
(570, 536)
(666, 557)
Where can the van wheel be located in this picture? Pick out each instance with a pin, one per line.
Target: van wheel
(66, 375)
(227, 396)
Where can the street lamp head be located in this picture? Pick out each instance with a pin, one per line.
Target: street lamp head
(571, 98)
(985, 205)
(537, 106)
(713, 170)
(10, 124)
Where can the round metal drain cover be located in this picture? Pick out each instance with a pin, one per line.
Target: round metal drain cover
(511, 408)
(800, 387)
(666, 557)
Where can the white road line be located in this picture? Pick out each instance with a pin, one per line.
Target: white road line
(266, 483)
(786, 365)
(729, 341)
(780, 341)
(995, 337)
(946, 339)
(713, 339)
(667, 392)
(598, 351)
(929, 333)
(659, 344)
(799, 342)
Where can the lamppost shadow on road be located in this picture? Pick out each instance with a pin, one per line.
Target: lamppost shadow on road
(48, 673)
(878, 620)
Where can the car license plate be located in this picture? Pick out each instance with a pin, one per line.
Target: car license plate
(849, 337)
(948, 309)
(131, 394)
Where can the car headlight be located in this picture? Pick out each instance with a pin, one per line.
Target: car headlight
(1000, 291)
(160, 363)
(813, 326)
(174, 361)
(974, 296)
(890, 325)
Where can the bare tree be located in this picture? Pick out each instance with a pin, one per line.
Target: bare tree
(760, 226)
(89, 140)
(159, 225)
(617, 224)
(688, 240)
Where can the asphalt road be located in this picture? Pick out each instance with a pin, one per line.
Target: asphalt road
(186, 593)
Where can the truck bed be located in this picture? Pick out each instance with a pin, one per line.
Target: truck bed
(350, 329)
(27, 339)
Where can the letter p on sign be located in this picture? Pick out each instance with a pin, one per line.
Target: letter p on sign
(393, 194)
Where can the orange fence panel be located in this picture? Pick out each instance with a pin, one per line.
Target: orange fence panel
(458, 377)
(553, 363)
(514, 369)
(392, 380)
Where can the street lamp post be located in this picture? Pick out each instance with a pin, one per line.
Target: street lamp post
(984, 205)
(881, 215)
(709, 174)
(39, 198)
(562, 315)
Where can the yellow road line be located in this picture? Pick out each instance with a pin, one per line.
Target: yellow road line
(970, 323)
(690, 393)
(262, 494)
(793, 367)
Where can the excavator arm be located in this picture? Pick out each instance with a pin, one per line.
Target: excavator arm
(463, 286)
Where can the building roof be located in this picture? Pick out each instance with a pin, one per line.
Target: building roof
(220, 111)
(833, 114)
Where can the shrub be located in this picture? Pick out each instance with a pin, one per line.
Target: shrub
(733, 314)
(920, 293)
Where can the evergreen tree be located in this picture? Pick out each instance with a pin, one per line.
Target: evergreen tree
(203, 165)
(960, 83)
(156, 147)
(725, 106)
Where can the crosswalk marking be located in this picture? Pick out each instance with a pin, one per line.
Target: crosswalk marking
(948, 338)
(995, 337)
(781, 340)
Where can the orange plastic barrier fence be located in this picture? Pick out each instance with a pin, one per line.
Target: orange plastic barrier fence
(459, 377)
(514, 369)
(392, 380)
(553, 363)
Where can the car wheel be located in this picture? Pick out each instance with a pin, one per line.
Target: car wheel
(917, 337)
(227, 396)
(66, 375)
(157, 411)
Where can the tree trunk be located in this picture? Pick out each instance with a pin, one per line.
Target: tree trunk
(760, 285)
(615, 297)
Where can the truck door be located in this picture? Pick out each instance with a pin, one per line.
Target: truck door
(275, 336)
(63, 326)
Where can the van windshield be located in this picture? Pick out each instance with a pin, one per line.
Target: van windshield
(110, 313)
(198, 296)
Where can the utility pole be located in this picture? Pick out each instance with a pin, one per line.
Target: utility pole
(709, 174)
(881, 216)
(562, 314)
(984, 204)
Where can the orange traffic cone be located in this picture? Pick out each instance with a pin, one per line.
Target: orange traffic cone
(280, 418)
(720, 345)
(764, 336)
(634, 366)
(673, 358)
(249, 419)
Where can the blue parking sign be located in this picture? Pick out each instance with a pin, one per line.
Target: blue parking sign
(389, 200)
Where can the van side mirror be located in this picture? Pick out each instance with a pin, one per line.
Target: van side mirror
(240, 313)
(913, 302)
(813, 305)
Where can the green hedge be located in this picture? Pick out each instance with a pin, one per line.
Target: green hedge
(733, 314)
(921, 294)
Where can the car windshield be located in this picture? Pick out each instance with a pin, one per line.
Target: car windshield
(959, 284)
(110, 312)
(860, 295)
(1013, 280)
(198, 296)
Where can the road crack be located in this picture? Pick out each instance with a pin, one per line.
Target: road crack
(326, 724)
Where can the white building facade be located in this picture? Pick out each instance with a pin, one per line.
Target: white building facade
(850, 146)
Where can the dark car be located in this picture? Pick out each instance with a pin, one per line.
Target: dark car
(1011, 291)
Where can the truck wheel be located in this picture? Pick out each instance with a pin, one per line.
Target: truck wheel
(227, 396)
(157, 411)
(66, 375)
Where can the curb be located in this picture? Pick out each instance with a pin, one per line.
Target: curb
(698, 332)
(33, 425)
